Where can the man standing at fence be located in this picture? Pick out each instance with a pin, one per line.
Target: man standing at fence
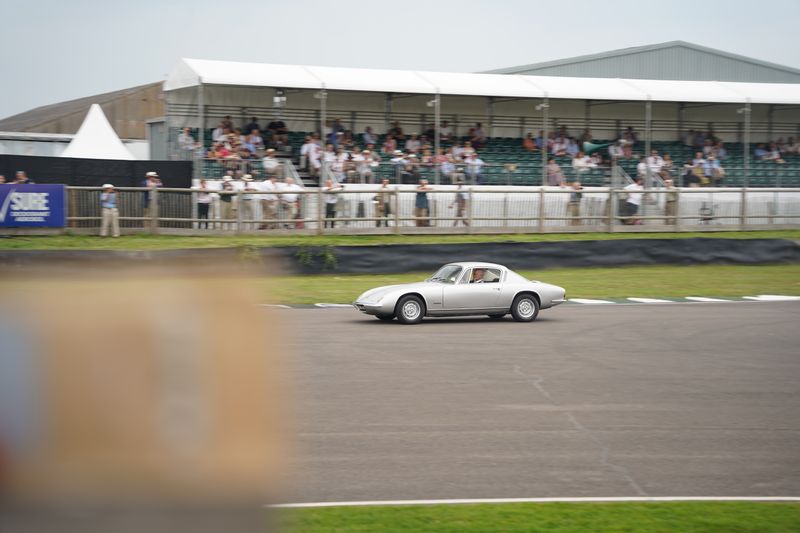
(269, 203)
(152, 182)
(575, 204)
(108, 202)
(330, 190)
(421, 205)
(634, 200)
(460, 202)
(383, 207)
(671, 203)
(290, 201)
(249, 201)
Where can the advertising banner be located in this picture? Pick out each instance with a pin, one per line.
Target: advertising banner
(32, 206)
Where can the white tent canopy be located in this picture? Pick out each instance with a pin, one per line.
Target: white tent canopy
(96, 139)
(195, 72)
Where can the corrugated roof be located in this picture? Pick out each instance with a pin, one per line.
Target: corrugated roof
(642, 49)
(41, 115)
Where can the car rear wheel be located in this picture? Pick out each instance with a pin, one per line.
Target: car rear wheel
(525, 308)
(385, 318)
(410, 309)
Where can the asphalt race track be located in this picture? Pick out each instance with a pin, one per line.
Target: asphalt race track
(696, 399)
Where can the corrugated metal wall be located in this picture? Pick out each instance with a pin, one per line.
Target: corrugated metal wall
(678, 63)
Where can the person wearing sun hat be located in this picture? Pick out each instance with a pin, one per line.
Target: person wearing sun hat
(151, 181)
(108, 202)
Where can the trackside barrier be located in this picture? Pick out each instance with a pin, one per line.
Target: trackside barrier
(364, 208)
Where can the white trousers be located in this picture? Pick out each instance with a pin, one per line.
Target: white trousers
(110, 217)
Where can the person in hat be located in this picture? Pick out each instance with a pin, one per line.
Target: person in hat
(671, 202)
(383, 204)
(151, 181)
(204, 201)
(108, 202)
(421, 204)
(460, 203)
(227, 208)
(574, 204)
(249, 201)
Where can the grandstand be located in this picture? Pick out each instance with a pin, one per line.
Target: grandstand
(741, 113)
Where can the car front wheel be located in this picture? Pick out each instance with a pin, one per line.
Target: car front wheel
(410, 309)
(525, 308)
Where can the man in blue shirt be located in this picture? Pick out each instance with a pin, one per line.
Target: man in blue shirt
(108, 201)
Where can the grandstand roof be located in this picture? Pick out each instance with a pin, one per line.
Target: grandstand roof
(195, 72)
(673, 60)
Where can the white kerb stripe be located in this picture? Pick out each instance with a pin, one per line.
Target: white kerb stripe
(541, 500)
(589, 301)
(275, 306)
(772, 298)
(704, 299)
(650, 301)
(333, 305)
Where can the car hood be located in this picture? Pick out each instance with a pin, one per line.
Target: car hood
(379, 292)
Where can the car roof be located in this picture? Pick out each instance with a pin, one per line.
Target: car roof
(472, 264)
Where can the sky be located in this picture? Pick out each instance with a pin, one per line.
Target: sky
(58, 50)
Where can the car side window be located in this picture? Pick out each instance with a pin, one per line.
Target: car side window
(492, 275)
(486, 275)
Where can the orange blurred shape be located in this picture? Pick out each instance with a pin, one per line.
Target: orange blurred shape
(144, 393)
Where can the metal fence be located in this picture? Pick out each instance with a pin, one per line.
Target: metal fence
(361, 208)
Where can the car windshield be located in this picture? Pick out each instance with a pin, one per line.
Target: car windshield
(447, 274)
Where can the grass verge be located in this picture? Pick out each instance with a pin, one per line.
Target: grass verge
(165, 242)
(689, 517)
(619, 282)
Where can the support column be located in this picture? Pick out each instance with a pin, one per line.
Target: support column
(543, 107)
(490, 116)
(648, 135)
(437, 119)
(387, 113)
(770, 122)
(746, 140)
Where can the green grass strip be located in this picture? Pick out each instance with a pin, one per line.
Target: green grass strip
(620, 282)
(689, 517)
(166, 242)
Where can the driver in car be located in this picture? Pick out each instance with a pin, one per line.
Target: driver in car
(477, 275)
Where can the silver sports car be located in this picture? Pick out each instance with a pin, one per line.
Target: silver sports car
(458, 289)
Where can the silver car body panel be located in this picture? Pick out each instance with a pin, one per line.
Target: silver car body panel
(457, 296)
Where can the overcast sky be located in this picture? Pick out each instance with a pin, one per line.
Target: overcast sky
(57, 50)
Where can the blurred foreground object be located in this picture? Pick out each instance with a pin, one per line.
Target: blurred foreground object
(138, 400)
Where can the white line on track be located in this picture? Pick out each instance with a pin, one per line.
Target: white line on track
(589, 301)
(275, 306)
(772, 298)
(704, 299)
(542, 500)
(650, 301)
(333, 305)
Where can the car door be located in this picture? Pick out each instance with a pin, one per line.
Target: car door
(465, 296)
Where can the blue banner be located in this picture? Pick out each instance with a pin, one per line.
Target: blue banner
(29, 206)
